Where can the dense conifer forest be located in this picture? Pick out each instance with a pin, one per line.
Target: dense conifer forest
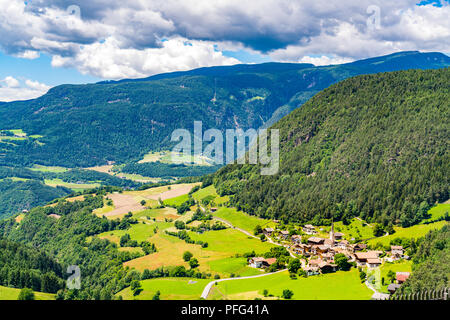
(374, 146)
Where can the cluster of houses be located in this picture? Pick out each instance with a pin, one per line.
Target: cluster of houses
(321, 251)
(400, 277)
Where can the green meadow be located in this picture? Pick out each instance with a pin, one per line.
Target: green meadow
(12, 294)
(342, 285)
(357, 229)
(438, 211)
(240, 219)
(415, 232)
(73, 186)
(170, 289)
(236, 266)
(53, 169)
(209, 191)
(177, 201)
(231, 241)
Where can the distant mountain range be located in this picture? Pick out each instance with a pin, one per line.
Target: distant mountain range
(87, 125)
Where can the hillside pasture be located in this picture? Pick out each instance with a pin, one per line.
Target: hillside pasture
(13, 294)
(342, 285)
(170, 289)
(415, 232)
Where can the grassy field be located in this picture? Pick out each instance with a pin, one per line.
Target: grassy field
(240, 219)
(210, 191)
(170, 288)
(231, 241)
(13, 294)
(356, 229)
(177, 201)
(37, 167)
(166, 157)
(217, 258)
(73, 186)
(237, 266)
(415, 232)
(438, 211)
(333, 286)
(139, 231)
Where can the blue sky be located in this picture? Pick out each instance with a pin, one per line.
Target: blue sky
(45, 43)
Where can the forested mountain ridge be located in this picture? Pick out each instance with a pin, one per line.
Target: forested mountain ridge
(87, 125)
(375, 146)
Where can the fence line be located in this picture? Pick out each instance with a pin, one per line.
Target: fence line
(439, 294)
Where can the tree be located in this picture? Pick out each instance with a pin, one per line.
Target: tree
(180, 225)
(193, 263)
(265, 292)
(257, 230)
(157, 295)
(342, 262)
(143, 202)
(26, 294)
(294, 265)
(391, 276)
(187, 256)
(124, 240)
(287, 294)
(378, 230)
(135, 287)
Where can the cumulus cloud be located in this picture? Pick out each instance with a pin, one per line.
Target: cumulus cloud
(324, 60)
(116, 39)
(11, 89)
(109, 60)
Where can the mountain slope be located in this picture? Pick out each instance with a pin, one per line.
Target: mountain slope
(87, 125)
(376, 146)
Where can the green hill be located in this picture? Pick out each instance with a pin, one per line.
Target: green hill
(87, 125)
(374, 146)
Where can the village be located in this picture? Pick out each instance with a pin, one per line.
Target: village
(317, 253)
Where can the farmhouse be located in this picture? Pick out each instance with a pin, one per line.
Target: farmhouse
(338, 235)
(302, 249)
(343, 244)
(268, 231)
(373, 262)
(401, 277)
(260, 262)
(256, 262)
(320, 249)
(311, 271)
(315, 240)
(393, 287)
(362, 257)
(309, 229)
(296, 238)
(213, 209)
(328, 243)
(284, 234)
(397, 252)
(359, 247)
(324, 266)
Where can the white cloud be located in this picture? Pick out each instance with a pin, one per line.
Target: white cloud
(324, 60)
(11, 82)
(12, 90)
(108, 60)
